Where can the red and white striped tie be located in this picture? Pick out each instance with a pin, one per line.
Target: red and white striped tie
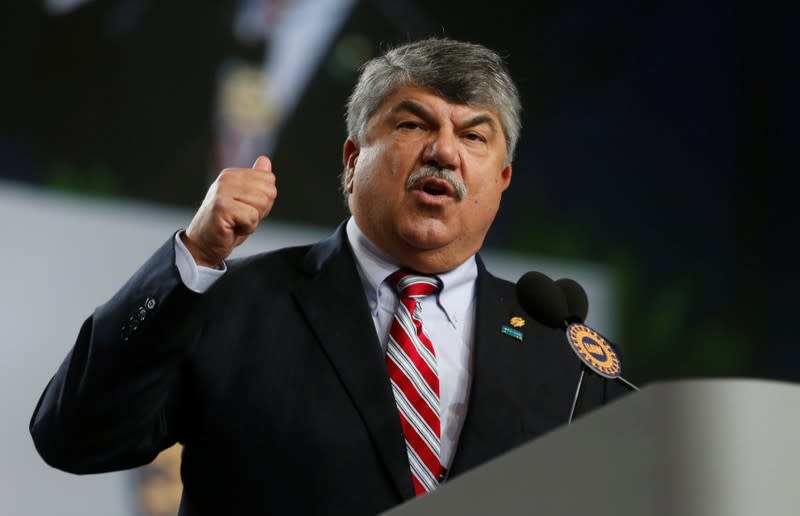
(411, 362)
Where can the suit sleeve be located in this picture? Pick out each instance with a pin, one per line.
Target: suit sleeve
(116, 401)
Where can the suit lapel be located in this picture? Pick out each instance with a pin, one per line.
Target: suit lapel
(520, 389)
(494, 420)
(334, 304)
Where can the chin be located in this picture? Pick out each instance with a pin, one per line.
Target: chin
(428, 237)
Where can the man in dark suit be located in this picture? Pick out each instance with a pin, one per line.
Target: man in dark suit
(319, 379)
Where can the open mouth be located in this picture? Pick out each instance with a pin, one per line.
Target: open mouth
(435, 186)
(434, 190)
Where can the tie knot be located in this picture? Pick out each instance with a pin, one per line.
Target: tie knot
(412, 284)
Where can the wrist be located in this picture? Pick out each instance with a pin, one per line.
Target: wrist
(201, 258)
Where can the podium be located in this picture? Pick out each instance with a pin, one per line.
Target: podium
(688, 448)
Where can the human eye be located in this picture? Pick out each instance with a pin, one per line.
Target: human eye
(474, 136)
(409, 125)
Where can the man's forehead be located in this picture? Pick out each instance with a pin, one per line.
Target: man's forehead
(413, 98)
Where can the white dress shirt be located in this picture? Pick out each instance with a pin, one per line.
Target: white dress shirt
(195, 277)
(448, 319)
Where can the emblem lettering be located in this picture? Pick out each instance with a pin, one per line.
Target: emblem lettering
(595, 349)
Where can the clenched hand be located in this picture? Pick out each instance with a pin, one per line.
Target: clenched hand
(236, 202)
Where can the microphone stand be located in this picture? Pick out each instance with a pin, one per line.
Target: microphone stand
(577, 393)
(627, 384)
(579, 390)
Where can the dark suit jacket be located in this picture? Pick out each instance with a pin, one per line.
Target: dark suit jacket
(275, 382)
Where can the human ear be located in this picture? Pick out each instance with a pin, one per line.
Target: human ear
(350, 152)
(505, 176)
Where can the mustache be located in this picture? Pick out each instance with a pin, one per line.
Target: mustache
(439, 173)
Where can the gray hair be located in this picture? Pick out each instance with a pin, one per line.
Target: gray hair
(460, 72)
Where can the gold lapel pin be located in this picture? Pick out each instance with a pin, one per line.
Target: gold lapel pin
(517, 322)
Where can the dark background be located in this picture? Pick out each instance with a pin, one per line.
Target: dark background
(659, 140)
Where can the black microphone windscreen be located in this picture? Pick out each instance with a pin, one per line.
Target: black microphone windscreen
(577, 302)
(542, 298)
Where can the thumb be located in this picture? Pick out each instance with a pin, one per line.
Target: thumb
(263, 163)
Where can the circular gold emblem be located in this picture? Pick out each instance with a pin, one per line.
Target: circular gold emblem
(594, 351)
(517, 322)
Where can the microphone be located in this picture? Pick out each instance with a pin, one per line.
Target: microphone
(577, 301)
(543, 299)
(563, 304)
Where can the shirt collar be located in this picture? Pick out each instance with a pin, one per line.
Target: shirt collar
(375, 266)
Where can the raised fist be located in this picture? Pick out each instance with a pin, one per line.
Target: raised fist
(235, 203)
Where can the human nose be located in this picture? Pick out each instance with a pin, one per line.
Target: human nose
(442, 151)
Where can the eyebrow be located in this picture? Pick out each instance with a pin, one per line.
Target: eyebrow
(419, 110)
(481, 119)
(414, 108)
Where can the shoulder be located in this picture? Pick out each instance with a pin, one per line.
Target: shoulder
(279, 271)
(286, 257)
(259, 274)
